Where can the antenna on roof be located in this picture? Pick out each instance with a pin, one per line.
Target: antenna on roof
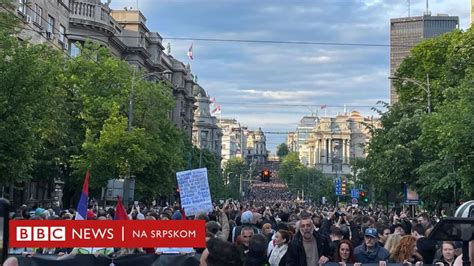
(408, 1)
(427, 12)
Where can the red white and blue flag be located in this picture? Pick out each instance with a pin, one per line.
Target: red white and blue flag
(190, 52)
(81, 213)
(216, 110)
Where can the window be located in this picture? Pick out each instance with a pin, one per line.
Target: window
(62, 30)
(50, 27)
(22, 6)
(38, 14)
(75, 51)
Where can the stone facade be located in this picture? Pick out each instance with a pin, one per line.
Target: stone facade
(64, 24)
(234, 139)
(206, 133)
(256, 147)
(334, 141)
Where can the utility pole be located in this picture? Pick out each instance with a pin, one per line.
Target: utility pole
(126, 180)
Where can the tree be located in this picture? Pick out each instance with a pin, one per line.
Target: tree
(28, 101)
(429, 151)
(282, 150)
(234, 168)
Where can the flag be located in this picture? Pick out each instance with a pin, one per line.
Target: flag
(323, 106)
(81, 213)
(216, 110)
(190, 52)
(120, 212)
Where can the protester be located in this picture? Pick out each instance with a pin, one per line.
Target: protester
(370, 251)
(220, 253)
(406, 251)
(278, 253)
(257, 252)
(344, 252)
(308, 247)
(448, 256)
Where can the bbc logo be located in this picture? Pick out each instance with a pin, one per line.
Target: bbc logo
(41, 233)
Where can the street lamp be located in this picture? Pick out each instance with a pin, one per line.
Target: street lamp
(130, 121)
(425, 87)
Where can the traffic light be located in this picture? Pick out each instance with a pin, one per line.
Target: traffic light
(344, 186)
(363, 197)
(265, 175)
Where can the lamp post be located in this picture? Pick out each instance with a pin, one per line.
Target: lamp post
(126, 180)
(425, 87)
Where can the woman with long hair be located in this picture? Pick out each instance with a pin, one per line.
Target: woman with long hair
(344, 252)
(392, 242)
(278, 255)
(406, 251)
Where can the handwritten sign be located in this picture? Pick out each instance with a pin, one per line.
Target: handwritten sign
(194, 191)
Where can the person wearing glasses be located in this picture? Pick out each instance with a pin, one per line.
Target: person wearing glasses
(370, 251)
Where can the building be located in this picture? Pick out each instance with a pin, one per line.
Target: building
(206, 132)
(234, 139)
(405, 33)
(256, 147)
(67, 23)
(334, 141)
(64, 24)
(291, 142)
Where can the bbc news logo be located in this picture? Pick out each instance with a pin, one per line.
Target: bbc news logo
(41, 233)
(67, 234)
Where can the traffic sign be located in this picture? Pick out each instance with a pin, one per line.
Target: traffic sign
(354, 201)
(355, 193)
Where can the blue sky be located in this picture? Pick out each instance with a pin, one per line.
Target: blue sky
(244, 77)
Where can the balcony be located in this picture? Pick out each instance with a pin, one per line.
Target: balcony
(89, 14)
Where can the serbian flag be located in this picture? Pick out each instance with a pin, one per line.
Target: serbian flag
(81, 213)
(120, 212)
(323, 106)
(216, 110)
(190, 52)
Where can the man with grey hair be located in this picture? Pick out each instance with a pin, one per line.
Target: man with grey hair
(308, 247)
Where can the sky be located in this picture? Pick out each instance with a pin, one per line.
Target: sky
(273, 85)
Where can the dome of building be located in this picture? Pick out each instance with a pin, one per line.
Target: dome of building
(355, 114)
(198, 90)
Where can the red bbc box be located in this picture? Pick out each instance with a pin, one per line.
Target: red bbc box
(109, 233)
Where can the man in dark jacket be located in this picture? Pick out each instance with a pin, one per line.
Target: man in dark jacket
(308, 247)
(370, 251)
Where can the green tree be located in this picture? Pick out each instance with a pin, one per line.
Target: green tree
(282, 150)
(289, 167)
(234, 168)
(28, 101)
(430, 151)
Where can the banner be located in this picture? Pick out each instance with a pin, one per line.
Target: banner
(124, 260)
(410, 196)
(194, 191)
(108, 233)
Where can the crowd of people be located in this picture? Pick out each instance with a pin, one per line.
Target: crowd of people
(276, 230)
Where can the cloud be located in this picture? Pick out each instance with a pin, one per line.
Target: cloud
(254, 81)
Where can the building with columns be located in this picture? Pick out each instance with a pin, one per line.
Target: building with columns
(206, 132)
(256, 147)
(334, 141)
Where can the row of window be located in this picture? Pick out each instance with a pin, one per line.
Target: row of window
(38, 17)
